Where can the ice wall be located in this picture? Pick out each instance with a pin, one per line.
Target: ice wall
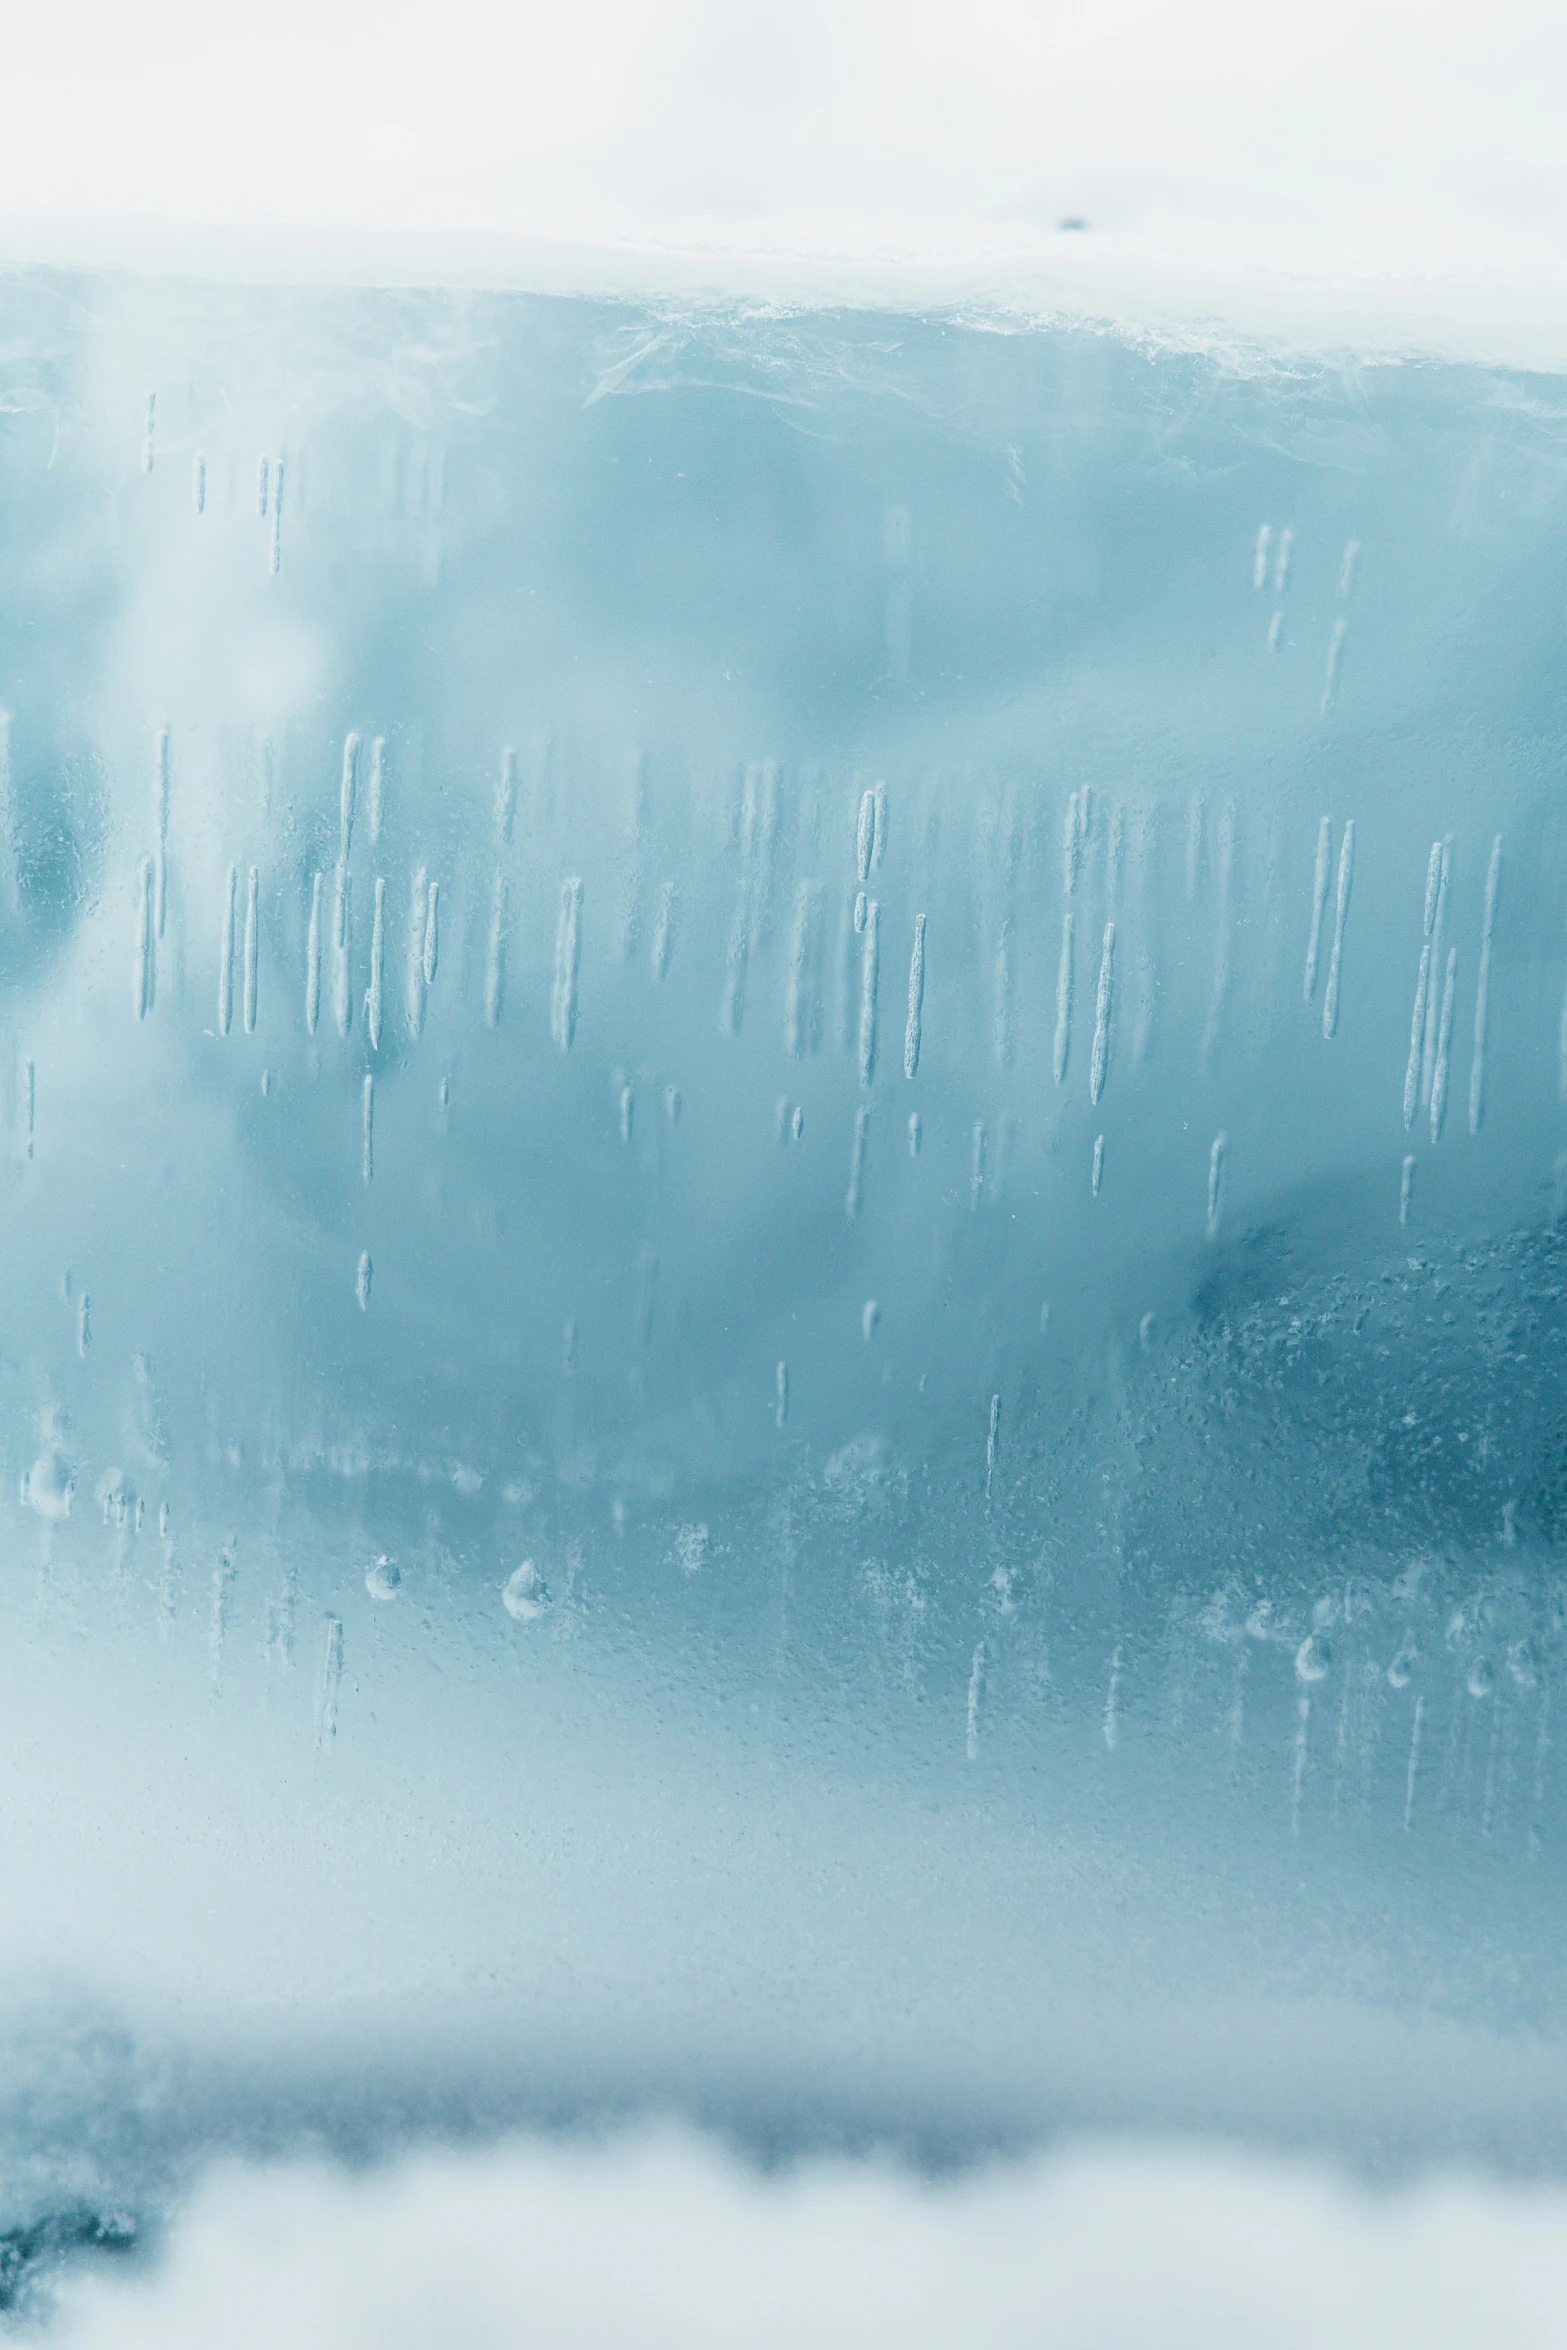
(783, 1319)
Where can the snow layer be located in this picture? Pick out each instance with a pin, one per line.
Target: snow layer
(650, 2241)
(1369, 175)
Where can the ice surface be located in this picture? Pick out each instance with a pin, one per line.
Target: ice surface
(783, 1324)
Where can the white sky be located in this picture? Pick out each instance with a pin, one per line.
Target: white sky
(1377, 168)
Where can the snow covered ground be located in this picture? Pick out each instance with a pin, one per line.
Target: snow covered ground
(667, 2241)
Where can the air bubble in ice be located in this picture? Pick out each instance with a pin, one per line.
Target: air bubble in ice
(383, 1579)
(1521, 1663)
(691, 1548)
(526, 1595)
(48, 1485)
(1402, 1668)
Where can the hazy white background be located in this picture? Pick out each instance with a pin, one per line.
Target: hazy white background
(662, 2244)
(1374, 170)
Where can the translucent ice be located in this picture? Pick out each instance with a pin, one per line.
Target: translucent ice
(580, 1527)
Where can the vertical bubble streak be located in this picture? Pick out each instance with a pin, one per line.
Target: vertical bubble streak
(912, 1027)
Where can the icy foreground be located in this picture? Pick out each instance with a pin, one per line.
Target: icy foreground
(662, 2243)
(783, 1326)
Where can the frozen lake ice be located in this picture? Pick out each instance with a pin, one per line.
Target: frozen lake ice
(783, 1145)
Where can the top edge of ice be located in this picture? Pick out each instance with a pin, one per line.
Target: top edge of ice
(1364, 184)
(1133, 288)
